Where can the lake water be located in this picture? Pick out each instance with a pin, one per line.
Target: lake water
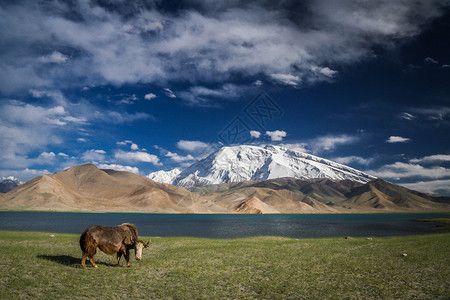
(227, 225)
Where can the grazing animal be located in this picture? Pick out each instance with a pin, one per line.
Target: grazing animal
(119, 239)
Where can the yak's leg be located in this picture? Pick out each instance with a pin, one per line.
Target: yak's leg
(127, 257)
(83, 260)
(93, 262)
(119, 255)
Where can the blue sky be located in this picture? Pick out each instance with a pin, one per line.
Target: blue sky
(153, 85)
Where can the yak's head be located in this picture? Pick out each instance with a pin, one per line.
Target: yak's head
(140, 245)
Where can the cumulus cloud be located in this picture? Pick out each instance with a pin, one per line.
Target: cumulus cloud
(401, 170)
(255, 134)
(346, 160)
(149, 96)
(48, 155)
(168, 92)
(55, 57)
(203, 96)
(276, 135)
(179, 158)
(431, 159)
(331, 142)
(192, 146)
(133, 146)
(439, 187)
(23, 174)
(290, 42)
(119, 168)
(137, 156)
(397, 139)
(26, 128)
(287, 79)
(94, 155)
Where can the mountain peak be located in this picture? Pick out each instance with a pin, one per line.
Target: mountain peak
(9, 183)
(251, 162)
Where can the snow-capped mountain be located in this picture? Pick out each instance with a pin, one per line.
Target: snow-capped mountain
(243, 163)
(164, 176)
(9, 183)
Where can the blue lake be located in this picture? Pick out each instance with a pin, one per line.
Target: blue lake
(227, 225)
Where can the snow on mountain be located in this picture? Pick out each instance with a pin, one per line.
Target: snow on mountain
(164, 176)
(9, 183)
(243, 163)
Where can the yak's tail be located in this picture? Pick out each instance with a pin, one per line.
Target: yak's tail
(87, 243)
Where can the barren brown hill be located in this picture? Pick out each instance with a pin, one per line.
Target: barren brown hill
(87, 188)
(289, 195)
(383, 195)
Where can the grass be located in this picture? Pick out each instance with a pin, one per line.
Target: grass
(38, 265)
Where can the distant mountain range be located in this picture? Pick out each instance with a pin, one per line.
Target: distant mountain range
(250, 163)
(87, 188)
(9, 183)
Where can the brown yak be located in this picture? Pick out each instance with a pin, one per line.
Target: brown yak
(119, 239)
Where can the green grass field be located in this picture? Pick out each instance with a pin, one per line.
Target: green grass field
(38, 265)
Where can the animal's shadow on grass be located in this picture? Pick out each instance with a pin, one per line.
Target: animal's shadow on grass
(70, 261)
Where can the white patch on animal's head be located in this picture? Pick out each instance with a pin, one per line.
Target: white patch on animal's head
(138, 250)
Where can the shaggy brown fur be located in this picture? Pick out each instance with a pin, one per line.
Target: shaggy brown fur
(111, 240)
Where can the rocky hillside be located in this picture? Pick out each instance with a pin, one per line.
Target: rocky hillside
(87, 188)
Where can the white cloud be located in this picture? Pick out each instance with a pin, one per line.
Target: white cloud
(192, 146)
(255, 134)
(397, 139)
(149, 96)
(407, 116)
(287, 79)
(438, 187)
(179, 158)
(431, 159)
(55, 57)
(326, 71)
(137, 156)
(119, 168)
(330, 142)
(94, 155)
(47, 155)
(203, 96)
(133, 146)
(431, 60)
(128, 99)
(353, 159)
(79, 120)
(433, 114)
(209, 42)
(400, 170)
(168, 92)
(56, 95)
(23, 174)
(276, 135)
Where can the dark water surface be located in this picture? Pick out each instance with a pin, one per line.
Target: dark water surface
(227, 225)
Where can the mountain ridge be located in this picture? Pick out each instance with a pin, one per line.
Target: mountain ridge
(87, 188)
(250, 163)
(9, 183)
